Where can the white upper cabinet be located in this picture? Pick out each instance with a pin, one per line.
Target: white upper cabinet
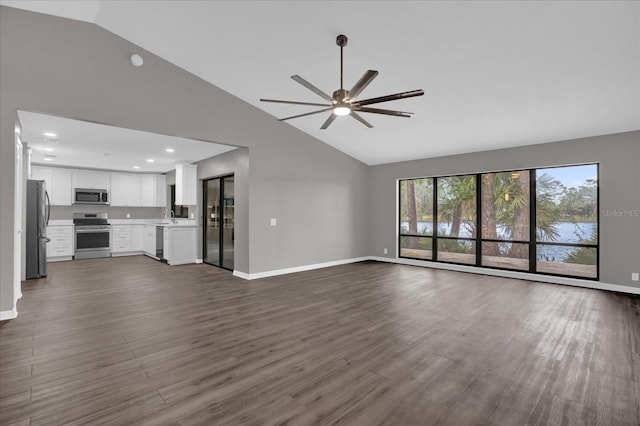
(147, 194)
(133, 190)
(43, 173)
(186, 184)
(58, 183)
(118, 190)
(92, 180)
(62, 192)
(161, 191)
(154, 191)
(125, 190)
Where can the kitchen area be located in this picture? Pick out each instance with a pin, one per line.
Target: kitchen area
(75, 213)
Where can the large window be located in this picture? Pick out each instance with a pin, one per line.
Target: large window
(567, 221)
(456, 214)
(505, 214)
(416, 218)
(537, 220)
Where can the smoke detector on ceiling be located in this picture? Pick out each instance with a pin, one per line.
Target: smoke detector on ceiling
(136, 60)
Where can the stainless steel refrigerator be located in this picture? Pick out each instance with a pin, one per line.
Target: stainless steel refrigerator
(38, 211)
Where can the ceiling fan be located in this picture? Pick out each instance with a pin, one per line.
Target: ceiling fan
(343, 102)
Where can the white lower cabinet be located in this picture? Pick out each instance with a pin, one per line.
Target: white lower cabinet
(60, 246)
(127, 239)
(149, 240)
(120, 238)
(137, 232)
(180, 245)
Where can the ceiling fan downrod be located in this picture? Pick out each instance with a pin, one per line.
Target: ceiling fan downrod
(341, 41)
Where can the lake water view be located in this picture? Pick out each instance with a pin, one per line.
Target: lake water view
(569, 232)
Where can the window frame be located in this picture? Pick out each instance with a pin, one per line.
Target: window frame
(183, 211)
(478, 240)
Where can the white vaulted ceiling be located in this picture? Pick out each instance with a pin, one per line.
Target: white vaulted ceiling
(496, 74)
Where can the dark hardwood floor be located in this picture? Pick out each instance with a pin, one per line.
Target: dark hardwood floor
(132, 341)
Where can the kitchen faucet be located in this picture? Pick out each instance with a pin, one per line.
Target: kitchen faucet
(171, 214)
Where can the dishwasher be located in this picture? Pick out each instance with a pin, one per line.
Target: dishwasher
(160, 243)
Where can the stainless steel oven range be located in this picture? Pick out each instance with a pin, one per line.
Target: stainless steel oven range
(91, 234)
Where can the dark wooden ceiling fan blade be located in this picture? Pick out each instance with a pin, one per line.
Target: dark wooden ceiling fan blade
(303, 115)
(360, 119)
(362, 83)
(396, 96)
(384, 111)
(328, 122)
(293, 102)
(311, 87)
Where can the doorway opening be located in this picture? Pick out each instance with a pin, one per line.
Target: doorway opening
(218, 227)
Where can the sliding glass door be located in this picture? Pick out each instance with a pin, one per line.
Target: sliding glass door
(218, 229)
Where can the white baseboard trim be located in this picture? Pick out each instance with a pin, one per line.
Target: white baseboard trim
(284, 271)
(242, 275)
(597, 285)
(59, 259)
(199, 261)
(7, 315)
(126, 253)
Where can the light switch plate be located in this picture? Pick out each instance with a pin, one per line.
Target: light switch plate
(273, 221)
(128, 215)
(635, 276)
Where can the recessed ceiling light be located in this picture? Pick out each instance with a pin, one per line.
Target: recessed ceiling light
(150, 160)
(170, 150)
(50, 134)
(136, 167)
(48, 149)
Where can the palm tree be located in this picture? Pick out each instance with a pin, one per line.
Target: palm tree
(506, 203)
(489, 219)
(547, 210)
(457, 201)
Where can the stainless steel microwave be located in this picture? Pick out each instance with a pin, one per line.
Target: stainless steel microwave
(90, 196)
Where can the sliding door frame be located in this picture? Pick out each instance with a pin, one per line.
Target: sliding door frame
(221, 179)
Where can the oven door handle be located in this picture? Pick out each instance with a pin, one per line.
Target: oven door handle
(91, 231)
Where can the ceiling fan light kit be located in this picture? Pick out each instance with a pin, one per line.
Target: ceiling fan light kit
(343, 102)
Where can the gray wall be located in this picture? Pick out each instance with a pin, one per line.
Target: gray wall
(619, 158)
(78, 70)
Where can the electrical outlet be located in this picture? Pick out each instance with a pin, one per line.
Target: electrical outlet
(635, 276)
(273, 221)
(385, 250)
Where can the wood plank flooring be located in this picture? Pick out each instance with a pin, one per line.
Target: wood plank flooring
(130, 341)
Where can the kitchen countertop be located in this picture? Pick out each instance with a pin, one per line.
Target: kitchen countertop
(156, 222)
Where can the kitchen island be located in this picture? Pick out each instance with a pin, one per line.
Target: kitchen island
(164, 240)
